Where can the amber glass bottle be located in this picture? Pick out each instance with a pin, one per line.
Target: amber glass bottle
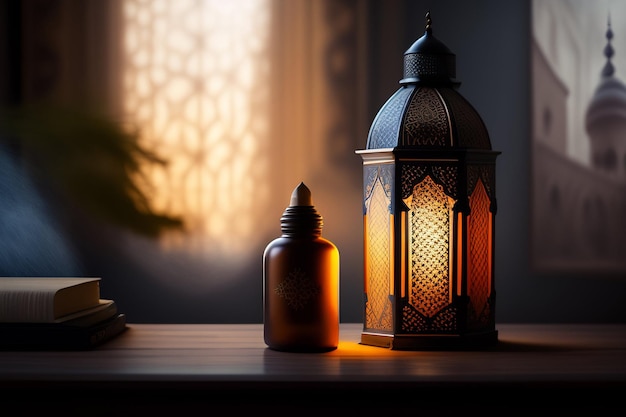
(301, 282)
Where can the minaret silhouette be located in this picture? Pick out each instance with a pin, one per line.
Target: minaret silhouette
(605, 120)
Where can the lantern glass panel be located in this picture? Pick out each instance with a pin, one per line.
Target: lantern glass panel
(479, 256)
(378, 222)
(430, 218)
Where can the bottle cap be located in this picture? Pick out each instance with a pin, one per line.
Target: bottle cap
(301, 217)
(301, 196)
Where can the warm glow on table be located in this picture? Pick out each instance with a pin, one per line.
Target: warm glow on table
(176, 367)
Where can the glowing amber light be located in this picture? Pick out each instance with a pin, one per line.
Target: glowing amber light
(196, 84)
(429, 248)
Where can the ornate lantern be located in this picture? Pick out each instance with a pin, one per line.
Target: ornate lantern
(429, 210)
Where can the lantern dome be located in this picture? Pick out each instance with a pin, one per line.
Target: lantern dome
(427, 111)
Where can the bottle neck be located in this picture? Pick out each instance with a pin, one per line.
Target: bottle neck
(301, 221)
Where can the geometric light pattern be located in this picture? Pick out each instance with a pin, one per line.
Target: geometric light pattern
(479, 254)
(430, 225)
(378, 311)
(195, 79)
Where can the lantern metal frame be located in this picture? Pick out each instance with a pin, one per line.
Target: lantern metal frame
(429, 213)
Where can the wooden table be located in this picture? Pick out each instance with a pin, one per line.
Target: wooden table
(179, 369)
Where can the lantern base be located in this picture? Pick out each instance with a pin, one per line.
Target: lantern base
(431, 341)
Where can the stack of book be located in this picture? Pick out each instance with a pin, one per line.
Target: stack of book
(41, 313)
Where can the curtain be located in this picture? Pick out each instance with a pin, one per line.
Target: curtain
(324, 70)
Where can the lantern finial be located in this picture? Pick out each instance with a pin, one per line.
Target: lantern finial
(428, 61)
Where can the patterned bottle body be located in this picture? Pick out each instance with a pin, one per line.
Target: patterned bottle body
(301, 283)
(301, 294)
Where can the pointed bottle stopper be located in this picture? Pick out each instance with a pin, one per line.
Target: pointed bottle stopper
(301, 196)
(301, 217)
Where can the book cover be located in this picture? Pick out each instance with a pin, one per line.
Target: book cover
(59, 336)
(43, 299)
(104, 310)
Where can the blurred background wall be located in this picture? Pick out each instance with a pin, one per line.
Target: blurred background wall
(156, 144)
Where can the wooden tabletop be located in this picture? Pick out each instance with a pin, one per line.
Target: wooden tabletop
(179, 365)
